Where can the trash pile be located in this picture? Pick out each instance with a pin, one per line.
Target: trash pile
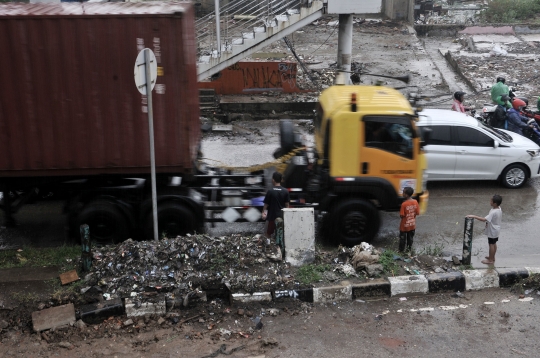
(185, 264)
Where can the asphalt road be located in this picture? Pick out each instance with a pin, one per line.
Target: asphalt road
(441, 229)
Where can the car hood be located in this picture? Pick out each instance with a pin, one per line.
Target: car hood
(519, 141)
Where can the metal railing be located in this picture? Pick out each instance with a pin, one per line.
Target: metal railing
(238, 20)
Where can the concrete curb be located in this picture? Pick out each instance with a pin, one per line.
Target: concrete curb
(466, 280)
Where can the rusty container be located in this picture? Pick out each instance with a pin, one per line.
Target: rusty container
(68, 101)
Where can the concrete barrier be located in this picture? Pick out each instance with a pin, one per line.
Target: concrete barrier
(299, 235)
(408, 284)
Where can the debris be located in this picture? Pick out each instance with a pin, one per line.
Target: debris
(80, 324)
(53, 317)
(403, 298)
(528, 291)
(455, 260)
(69, 277)
(526, 299)
(346, 269)
(489, 303)
(240, 311)
(3, 324)
(129, 322)
(66, 345)
(374, 270)
(273, 312)
(498, 51)
(222, 128)
(161, 320)
(459, 294)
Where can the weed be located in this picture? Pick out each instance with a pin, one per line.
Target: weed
(435, 250)
(386, 259)
(24, 297)
(38, 257)
(466, 267)
(510, 11)
(311, 273)
(531, 282)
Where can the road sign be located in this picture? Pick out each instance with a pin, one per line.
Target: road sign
(140, 70)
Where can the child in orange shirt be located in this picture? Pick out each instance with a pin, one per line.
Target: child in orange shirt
(408, 212)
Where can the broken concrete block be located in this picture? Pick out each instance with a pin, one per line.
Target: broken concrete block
(299, 235)
(135, 309)
(129, 322)
(479, 279)
(255, 297)
(332, 293)
(408, 284)
(98, 312)
(374, 270)
(53, 317)
(222, 127)
(69, 277)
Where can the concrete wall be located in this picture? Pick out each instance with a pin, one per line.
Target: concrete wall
(399, 9)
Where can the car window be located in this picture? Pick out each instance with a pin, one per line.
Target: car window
(473, 138)
(440, 135)
(393, 136)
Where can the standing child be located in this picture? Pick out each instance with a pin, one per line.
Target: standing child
(408, 212)
(493, 227)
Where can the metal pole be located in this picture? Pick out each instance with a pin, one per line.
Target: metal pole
(151, 134)
(218, 29)
(467, 241)
(86, 255)
(345, 43)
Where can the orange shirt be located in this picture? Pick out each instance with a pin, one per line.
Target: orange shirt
(409, 210)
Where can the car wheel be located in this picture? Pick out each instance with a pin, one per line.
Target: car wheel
(514, 176)
(355, 221)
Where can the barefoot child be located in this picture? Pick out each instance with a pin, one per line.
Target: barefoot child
(493, 227)
(408, 212)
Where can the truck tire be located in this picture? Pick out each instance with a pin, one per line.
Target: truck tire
(107, 223)
(354, 221)
(286, 132)
(174, 219)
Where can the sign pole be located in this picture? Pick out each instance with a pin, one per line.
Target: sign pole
(151, 135)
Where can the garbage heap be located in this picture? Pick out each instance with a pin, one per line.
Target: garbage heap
(184, 265)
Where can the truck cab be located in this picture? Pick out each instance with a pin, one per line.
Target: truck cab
(366, 151)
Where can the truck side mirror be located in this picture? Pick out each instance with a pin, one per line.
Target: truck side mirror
(426, 136)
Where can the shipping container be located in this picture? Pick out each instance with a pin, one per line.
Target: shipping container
(68, 101)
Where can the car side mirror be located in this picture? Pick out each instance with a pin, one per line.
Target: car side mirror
(495, 144)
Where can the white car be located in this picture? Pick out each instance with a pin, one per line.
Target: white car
(462, 148)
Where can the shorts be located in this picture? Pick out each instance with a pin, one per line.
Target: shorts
(492, 241)
(270, 227)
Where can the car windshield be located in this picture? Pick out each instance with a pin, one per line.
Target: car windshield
(499, 134)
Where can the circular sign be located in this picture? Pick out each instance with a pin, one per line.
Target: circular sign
(140, 70)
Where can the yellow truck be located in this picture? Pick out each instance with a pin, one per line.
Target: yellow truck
(367, 149)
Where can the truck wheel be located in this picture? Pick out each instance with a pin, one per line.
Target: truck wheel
(174, 219)
(355, 221)
(107, 224)
(514, 176)
(286, 131)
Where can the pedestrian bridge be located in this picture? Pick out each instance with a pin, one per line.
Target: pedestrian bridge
(237, 29)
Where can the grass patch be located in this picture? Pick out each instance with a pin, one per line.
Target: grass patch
(25, 297)
(432, 250)
(465, 267)
(510, 11)
(311, 273)
(386, 259)
(63, 256)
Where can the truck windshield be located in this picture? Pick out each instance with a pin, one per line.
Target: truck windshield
(392, 134)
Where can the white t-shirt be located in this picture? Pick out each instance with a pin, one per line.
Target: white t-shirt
(493, 223)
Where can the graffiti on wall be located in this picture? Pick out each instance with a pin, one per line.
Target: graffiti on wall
(268, 76)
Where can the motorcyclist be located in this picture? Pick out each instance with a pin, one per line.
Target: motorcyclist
(458, 106)
(498, 90)
(516, 122)
(498, 119)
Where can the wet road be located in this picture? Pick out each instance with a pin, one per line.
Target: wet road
(253, 142)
